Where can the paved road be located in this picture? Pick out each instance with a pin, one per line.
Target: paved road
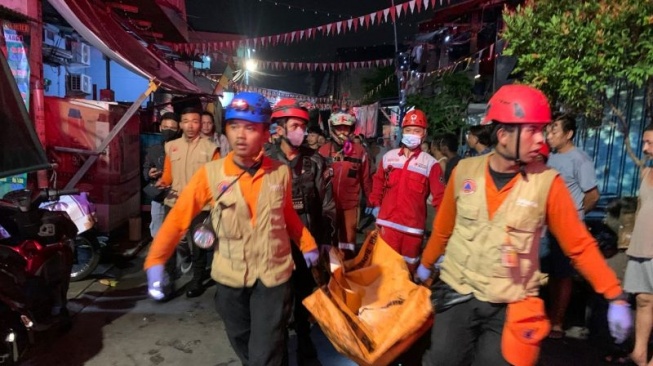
(120, 326)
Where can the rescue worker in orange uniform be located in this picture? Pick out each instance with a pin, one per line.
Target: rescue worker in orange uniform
(183, 157)
(312, 196)
(402, 183)
(253, 217)
(489, 226)
(350, 168)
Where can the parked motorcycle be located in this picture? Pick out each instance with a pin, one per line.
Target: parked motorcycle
(88, 244)
(36, 257)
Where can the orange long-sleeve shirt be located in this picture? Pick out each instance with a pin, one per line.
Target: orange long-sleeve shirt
(562, 219)
(166, 177)
(197, 194)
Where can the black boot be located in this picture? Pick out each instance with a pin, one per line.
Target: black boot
(195, 288)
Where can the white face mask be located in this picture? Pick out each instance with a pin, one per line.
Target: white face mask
(411, 141)
(295, 137)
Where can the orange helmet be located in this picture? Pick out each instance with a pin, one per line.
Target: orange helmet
(289, 108)
(516, 104)
(415, 117)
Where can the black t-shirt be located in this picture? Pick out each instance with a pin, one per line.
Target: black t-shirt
(501, 179)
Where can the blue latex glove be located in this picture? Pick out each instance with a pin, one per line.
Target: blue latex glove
(423, 273)
(620, 320)
(311, 257)
(438, 264)
(368, 210)
(157, 281)
(375, 211)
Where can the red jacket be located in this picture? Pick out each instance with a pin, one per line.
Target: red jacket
(401, 186)
(349, 174)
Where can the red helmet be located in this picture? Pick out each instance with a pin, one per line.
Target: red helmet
(518, 104)
(415, 118)
(289, 108)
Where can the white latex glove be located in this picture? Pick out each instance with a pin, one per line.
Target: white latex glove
(423, 273)
(157, 280)
(620, 320)
(311, 257)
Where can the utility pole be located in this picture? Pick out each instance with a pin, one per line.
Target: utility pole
(401, 82)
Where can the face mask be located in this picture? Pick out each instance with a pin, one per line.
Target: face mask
(295, 137)
(411, 141)
(168, 135)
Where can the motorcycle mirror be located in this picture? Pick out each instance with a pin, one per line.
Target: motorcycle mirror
(204, 236)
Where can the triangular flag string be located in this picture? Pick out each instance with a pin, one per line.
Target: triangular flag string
(376, 17)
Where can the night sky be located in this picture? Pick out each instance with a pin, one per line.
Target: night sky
(262, 17)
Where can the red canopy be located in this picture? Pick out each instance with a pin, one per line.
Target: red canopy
(96, 23)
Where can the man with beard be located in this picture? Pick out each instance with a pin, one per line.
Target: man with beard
(312, 200)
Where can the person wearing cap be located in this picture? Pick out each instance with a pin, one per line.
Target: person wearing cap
(488, 227)
(312, 197)
(314, 133)
(183, 157)
(253, 217)
(401, 185)
(349, 166)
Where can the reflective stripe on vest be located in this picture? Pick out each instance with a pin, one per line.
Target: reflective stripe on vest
(402, 228)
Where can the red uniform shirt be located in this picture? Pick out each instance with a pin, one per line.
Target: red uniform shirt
(401, 186)
(350, 173)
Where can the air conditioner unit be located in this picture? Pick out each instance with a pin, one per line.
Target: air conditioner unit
(78, 83)
(52, 38)
(81, 54)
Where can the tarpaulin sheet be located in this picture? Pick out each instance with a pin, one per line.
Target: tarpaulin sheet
(20, 149)
(96, 23)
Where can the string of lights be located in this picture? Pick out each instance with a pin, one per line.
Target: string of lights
(307, 10)
(475, 57)
(340, 27)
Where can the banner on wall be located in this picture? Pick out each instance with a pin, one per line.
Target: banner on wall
(16, 37)
(16, 40)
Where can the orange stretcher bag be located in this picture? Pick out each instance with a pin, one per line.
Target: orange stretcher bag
(370, 310)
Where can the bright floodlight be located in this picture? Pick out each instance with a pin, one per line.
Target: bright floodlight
(250, 65)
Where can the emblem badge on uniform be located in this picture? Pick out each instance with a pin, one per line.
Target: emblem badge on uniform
(469, 186)
(224, 187)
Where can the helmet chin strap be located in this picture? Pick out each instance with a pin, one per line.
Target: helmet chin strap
(516, 158)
